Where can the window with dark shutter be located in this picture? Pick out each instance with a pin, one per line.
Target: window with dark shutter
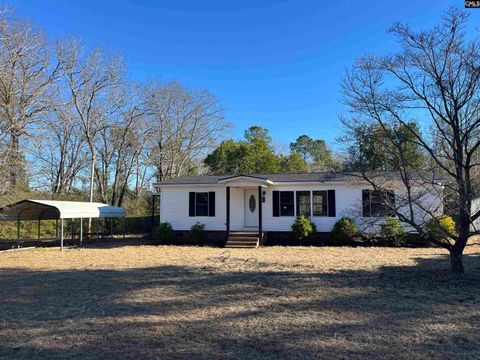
(201, 204)
(287, 203)
(319, 201)
(303, 203)
(331, 203)
(378, 203)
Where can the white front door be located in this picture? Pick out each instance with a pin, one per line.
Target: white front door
(251, 208)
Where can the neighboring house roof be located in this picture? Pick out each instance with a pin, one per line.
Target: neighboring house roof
(322, 177)
(51, 209)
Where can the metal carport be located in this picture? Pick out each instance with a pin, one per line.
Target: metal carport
(59, 210)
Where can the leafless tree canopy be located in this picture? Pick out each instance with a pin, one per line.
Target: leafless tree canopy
(434, 79)
(26, 75)
(72, 121)
(184, 125)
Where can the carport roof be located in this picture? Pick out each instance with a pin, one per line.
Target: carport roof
(30, 209)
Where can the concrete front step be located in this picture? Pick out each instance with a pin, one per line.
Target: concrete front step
(242, 242)
(241, 246)
(245, 243)
(243, 234)
(243, 238)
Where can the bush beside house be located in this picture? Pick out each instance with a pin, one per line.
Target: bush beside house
(303, 232)
(197, 232)
(303, 228)
(440, 227)
(392, 232)
(344, 232)
(165, 233)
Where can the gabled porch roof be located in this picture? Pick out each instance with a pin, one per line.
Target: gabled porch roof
(245, 181)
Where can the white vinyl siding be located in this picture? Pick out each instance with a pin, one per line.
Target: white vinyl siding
(346, 199)
(175, 206)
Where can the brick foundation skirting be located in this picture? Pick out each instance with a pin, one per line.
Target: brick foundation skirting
(280, 238)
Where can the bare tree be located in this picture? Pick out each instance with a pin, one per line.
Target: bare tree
(89, 77)
(121, 143)
(61, 148)
(184, 124)
(67, 113)
(434, 78)
(26, 75)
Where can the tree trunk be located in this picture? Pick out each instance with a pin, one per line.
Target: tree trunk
(14, 159)
(456, 252)
(456, 261)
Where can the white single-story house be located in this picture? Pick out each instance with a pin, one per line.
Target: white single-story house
(269, 203)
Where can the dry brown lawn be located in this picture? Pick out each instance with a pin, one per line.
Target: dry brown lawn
(171, 302)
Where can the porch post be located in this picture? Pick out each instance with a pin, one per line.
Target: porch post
(228, 211)
(153, 213)
(260, 231)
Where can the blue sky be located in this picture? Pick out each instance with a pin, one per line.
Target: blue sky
(273, 63)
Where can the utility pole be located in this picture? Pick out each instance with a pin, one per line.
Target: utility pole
(92, 171)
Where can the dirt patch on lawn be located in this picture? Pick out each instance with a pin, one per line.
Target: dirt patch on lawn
(273, 302)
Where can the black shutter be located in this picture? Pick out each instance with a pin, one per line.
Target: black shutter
(297, 195)
(366, 203)
(391, 203)
(211, 203)
(331, 203)
(191, 204)
(276, 203)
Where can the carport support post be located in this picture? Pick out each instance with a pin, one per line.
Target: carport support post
(123, 227)
(61, 234)
(81, 231)
(18, 231)
(111, 228)
(38, 230)
(98, 229)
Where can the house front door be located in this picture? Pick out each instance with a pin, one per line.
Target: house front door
(251, 208)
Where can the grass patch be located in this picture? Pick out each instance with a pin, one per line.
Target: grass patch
(271, 302)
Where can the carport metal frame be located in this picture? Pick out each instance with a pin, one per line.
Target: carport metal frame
(39, 218)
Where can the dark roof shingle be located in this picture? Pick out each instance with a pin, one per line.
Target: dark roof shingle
(294, 177)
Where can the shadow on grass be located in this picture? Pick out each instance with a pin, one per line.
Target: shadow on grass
(254, 312)
(106, 242)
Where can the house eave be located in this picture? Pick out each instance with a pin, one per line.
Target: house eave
(159, 186)
(245, 178)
